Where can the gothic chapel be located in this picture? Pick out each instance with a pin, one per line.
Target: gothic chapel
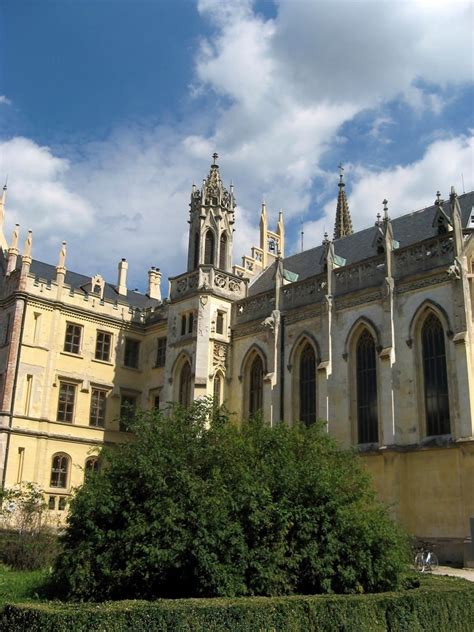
(370, 331)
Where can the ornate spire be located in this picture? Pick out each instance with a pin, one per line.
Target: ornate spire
(343, 224)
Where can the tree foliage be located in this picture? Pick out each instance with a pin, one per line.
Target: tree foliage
(198, 506)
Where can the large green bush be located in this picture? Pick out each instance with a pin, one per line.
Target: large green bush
(443, 605)
(197, 506)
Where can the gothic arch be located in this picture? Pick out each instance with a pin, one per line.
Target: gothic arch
(223, 250)
(218, 387)
(209, 247)
(421, 313)
(356, 329)
(183, 359)
(254, 365)
(303, 338)
(435, 385)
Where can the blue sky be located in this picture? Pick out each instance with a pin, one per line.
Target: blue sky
(109, 109)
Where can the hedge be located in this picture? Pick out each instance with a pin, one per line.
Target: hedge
(441, 604)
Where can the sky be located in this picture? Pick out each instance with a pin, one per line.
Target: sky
(111, 109)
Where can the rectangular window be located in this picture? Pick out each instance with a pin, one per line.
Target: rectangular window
(220, 323)
(183, 324)
(72, 342)
(156, 402)
(131, 353)
(128, 404)
(62, 503)
(161, 352)
(52, 503)
(102, 346)
(36, 328)
(98, 405)
(67, 398)
(190, 323)
(29, 384)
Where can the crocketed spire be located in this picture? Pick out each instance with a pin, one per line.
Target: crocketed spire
(343, 224)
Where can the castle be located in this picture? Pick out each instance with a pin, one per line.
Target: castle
(371, 331)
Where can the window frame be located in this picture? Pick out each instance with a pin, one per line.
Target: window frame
(100, 351)
(58, 472)
(161, 348)
(127, 354)
(97, 420)
(64, 412)
(72, 343)
(307, 394)
(367, 414)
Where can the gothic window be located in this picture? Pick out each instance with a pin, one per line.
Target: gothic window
(223, 252)
(209, 248)
(59, 470)
(161, 352)
(435, 377)
(92, 466)
(185, 385)
(196, 250)
(307, 385)
(190, 323)
(366, 377)
(220, 323)
(256, 386)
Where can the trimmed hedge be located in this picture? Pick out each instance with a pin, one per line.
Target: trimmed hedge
(441, 604)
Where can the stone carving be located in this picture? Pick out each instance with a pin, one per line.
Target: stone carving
(454, 271)
(219, 356)
(272, 321)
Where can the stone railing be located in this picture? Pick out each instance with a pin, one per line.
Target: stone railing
(304, 292)
(207, 278)
(367, 273)
(254, 307)
(424, 256)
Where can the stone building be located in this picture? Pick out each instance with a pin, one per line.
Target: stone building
(370, 331)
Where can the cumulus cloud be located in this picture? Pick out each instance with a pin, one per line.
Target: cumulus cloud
(4, 100)
(407, 188)
(283, 88)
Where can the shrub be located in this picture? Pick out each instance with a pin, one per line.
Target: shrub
(197, 506)
(27, 540)
(444, 605)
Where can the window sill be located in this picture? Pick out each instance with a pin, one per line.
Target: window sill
(131, 368)
(106, 362)
(72, 355)
(161, 366)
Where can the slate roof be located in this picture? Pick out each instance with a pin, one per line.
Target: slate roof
(82, 283)
(407, 229)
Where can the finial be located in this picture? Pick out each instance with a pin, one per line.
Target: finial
(377, 223)
(385, 210)
(453, 193)
(341, 174)
(325, 240)
(215, 156)
(438, 195)
(6, 182)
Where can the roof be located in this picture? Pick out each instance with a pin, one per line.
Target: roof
(407, 229)
(82, 283)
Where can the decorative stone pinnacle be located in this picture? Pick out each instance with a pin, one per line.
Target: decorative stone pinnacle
(215, 156)
(343, 224)
(385, 210)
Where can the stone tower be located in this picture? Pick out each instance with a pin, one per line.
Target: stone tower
(210, 223)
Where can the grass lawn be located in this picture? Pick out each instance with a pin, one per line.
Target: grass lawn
(19, 586)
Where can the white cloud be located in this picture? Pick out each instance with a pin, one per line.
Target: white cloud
(407, 188)
(4, 100)
(283, 88)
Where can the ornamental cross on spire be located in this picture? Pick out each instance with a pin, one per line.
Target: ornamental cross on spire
(215, 156)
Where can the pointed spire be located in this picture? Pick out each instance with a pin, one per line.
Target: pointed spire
(3, 241)
(28, 245)
(343, 224)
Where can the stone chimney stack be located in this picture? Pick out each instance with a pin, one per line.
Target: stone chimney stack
(122, 277)
(154, 281)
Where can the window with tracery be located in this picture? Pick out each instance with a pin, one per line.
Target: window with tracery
(366, 378)
(209, 248)
(217, 390)
(307, 385)
(59, 470)
(435, 377)
(185, 385)
(256, 386)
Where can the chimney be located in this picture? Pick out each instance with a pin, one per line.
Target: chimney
(122, 277)
(154, 280)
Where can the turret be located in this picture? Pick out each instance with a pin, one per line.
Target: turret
(210, 223)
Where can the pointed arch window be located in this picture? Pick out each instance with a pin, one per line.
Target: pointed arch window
(256, 386)
(307, 385)
(185, 385)
(435, 377)
(59, 470)
(366, 378)
(223, 252)
(209, 248)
